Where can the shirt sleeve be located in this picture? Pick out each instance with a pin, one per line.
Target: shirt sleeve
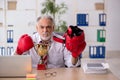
(68, 58)
(24, 53)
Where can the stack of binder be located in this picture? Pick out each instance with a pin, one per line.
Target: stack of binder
(94, 68)
(97, 51)
(82, 20)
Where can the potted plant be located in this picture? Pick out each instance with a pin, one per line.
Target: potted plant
(56, 11)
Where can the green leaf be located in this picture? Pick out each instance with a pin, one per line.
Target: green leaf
(56, 10)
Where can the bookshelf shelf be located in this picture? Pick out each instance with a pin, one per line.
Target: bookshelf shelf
(93, 20)
(15, 18)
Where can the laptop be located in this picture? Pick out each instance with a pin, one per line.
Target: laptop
(15, 66)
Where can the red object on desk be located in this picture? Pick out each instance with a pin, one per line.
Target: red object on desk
(41, 67)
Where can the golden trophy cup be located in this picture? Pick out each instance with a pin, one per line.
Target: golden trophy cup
(42, 51)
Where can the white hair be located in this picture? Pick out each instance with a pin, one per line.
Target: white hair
(47, 17)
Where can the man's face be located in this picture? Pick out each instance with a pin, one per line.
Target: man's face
(45, 27)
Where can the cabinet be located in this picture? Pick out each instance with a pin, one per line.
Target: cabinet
(92, 18)
(17, 17)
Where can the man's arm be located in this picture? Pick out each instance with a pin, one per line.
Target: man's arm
(24, 44)
(74, 60)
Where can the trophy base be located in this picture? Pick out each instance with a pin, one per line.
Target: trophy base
(41, 67)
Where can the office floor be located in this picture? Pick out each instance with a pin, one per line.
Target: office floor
(113, 58)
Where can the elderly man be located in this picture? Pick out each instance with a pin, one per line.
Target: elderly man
(58, 55)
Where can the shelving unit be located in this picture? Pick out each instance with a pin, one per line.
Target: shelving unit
(17, 17)
(93, 20)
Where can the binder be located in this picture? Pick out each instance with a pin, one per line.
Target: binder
(10, 36)
(9, 50)
(102, 19)
(101, 51)
(92, 51)
(97, 51)
(101, 35)
(82, 19)
(2, 51)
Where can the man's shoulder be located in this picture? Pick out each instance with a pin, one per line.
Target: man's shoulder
(35, 34)
(35, 37)
(58, 37)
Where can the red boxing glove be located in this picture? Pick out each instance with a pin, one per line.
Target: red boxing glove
(75, 40)
(25, 43)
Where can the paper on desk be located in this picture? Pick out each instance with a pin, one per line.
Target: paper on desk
(95, 68)
(106, 65)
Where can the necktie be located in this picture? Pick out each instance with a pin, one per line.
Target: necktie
(45, 58)
(46, 48)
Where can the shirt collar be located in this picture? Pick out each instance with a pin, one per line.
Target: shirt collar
(51, 40)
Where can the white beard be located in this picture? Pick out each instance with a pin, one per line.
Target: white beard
(45, 38)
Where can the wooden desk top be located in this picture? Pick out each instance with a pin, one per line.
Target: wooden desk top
(67, 74)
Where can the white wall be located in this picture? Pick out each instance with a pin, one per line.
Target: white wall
(113, 28)
(113, 22)
(74, 7)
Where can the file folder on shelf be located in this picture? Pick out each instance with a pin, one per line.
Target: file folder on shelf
(101, 35)
(82, 19)
(97, 51)
(10, 36)
(2, 51)
(9, 50)
(102, 19)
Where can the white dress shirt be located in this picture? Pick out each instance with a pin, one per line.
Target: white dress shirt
(58, 55)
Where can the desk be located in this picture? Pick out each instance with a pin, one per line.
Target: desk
(68, 74)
